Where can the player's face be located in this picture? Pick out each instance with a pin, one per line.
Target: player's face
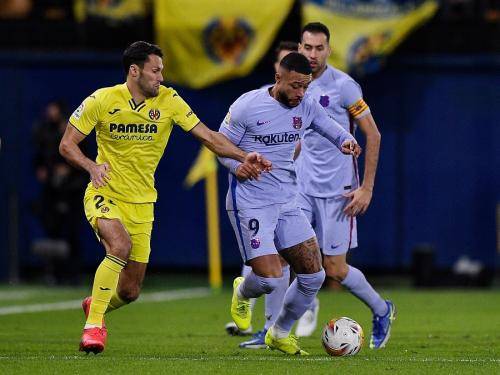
(280, 56)
(315, 47)
(291, 86)
(150, 76)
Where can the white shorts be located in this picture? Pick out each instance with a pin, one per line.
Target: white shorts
(336, 232)
(267, 230)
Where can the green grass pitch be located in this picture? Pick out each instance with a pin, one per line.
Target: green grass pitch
(436, 332)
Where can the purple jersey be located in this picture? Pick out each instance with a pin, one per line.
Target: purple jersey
(322, 170)
(258, 122)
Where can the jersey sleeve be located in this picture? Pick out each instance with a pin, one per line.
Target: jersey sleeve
(88, 114)
(352, 99)
(328, 127)
(233, 128)
(183, 114)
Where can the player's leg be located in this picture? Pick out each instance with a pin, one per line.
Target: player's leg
(129, 285)
(118, 244)
(309, 320)
(231, 327)
(132, 276)
(272, 307)
(297, 243)
(254, 229)
(338, 241)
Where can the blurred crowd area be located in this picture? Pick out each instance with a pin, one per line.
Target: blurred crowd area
(460, 26)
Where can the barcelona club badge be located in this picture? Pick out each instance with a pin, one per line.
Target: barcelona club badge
(297, 122)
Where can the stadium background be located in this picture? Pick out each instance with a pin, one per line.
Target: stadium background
(434, 99)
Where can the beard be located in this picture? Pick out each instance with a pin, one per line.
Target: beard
(283, 98)
(148, 91)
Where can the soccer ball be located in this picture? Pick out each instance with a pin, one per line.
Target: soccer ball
(342, 336)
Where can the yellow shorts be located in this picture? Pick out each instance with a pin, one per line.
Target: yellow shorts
(137, 218)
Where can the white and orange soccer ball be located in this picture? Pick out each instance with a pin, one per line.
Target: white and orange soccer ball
(342, 336)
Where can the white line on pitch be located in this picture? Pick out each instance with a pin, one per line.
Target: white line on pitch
(266, 359)
(169, 295)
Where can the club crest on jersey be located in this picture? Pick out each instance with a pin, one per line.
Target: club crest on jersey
(255, 243)
(154, 114)
(297, 122)
(105, 209)
(324, 100)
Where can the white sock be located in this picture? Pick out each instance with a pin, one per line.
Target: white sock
(279, 332)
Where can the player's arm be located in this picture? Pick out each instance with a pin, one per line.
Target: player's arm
(360, 112)
(69, 148)
(333, 131)
(249, 164)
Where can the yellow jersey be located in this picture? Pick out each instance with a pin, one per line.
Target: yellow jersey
(131, 137)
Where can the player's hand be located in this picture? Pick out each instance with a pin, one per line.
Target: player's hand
(99, 175)
(258, 161)
(360, 200)
(351, 148)
(247, 171)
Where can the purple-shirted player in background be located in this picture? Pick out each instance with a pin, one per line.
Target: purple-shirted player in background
(331, 195)
(264, 214)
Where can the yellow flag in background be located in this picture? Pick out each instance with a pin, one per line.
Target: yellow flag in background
(204, 164)
(362, 31)
(207, 41)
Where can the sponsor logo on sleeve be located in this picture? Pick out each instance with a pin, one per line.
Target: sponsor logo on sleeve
(227, 119)
(79, 111)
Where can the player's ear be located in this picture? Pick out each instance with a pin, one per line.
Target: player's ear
(277, 77)
(134, 70)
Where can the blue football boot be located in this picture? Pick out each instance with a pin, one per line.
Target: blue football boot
(382, 327)
(256, 342)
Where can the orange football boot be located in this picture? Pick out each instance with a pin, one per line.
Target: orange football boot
(93, 340)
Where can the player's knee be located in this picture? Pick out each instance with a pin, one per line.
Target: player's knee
(336, 270)
(121, 247)
(310, 283)
(129, 295)
(270, 283)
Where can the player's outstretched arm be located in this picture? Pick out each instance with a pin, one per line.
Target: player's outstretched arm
(69, 149)
(362, 196)
(220, 145)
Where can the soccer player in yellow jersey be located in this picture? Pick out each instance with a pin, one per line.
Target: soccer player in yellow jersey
(133, 122)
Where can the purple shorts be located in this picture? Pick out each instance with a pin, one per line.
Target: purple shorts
(267, 230)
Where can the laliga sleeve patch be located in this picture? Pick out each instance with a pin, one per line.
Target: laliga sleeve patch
(227, 119)
(79, 111)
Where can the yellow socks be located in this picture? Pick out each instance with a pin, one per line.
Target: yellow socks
(105, 283)
(115, 303)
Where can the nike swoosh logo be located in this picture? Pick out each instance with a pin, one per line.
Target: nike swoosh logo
(104, 288)
(173, 96)
(333, 247)
(113, 111)
(259, 123)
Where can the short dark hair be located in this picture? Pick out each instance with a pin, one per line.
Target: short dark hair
(315, 28)
(297, 62)
(285, 45)
(138, 53)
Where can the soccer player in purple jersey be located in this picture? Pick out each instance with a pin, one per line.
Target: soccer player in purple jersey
(273, 301)
(331, 194)
(264, 214)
